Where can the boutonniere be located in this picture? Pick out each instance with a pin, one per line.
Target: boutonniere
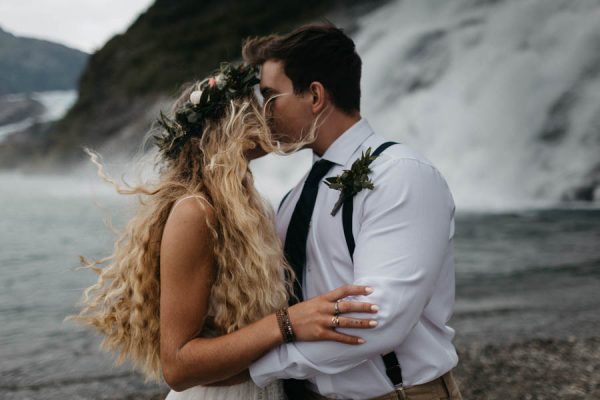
(352, 181)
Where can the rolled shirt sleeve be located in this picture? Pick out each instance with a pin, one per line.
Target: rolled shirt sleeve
(404, 230)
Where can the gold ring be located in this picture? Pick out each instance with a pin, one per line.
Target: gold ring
(336, 308)
(335, 321)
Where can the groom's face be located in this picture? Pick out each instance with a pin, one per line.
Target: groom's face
(289, 114)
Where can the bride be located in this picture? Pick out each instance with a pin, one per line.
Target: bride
(197, 286)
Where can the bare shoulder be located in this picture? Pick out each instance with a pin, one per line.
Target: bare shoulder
(191, 210)
(188, 229)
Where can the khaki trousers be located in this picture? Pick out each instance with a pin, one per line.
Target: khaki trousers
(442, 388)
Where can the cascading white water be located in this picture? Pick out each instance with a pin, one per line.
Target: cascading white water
(502, 96)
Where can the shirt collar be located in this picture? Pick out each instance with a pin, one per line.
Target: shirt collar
(346, 144)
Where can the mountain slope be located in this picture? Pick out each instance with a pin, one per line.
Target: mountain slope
(28, 65)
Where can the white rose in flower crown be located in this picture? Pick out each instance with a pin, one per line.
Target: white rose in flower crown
(220, 81)
(195, 97)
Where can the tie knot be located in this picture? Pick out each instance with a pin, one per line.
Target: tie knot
(318, 170)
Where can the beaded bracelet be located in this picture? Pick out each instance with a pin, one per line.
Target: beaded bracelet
(285, 326)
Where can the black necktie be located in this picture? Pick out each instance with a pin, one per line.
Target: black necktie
(297, 233)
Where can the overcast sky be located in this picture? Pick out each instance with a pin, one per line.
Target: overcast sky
(82, 24)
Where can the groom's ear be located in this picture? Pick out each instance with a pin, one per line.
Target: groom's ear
(318, 97)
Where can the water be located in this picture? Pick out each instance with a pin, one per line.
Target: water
(46, 223)
(533, 273)
(521, 274)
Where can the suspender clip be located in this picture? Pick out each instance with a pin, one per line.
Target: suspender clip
(400, 392)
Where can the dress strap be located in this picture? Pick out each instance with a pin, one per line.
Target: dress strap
(185, 198)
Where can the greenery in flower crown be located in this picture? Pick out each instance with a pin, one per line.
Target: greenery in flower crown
(352, 181)
(208, 101)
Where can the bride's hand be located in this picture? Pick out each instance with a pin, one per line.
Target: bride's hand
(315, 319)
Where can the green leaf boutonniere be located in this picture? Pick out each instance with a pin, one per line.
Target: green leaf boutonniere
(352, 181)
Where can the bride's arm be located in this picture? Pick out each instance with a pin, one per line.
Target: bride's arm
(187, 270)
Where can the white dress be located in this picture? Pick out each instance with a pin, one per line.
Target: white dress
(243, 391)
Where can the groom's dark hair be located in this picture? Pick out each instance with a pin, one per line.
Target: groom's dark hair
(315, 52)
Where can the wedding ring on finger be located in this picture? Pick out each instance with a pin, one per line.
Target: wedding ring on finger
(336, 308)
(335, 322)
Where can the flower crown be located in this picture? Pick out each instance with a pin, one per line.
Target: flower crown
(208, 101)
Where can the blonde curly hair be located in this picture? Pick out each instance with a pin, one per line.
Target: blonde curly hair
(253, 278)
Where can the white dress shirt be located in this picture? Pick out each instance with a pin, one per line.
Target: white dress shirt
(404, 231)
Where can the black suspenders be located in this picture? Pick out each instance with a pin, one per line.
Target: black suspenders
(390, 360)
(347, 208)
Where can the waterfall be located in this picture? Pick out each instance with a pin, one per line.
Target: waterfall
(502, 96)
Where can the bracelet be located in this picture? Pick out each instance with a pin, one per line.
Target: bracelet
(285, 326)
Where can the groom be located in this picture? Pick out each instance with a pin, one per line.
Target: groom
(396, 237)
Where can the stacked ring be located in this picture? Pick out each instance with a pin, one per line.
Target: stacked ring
(335, 322)
(336, 308)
